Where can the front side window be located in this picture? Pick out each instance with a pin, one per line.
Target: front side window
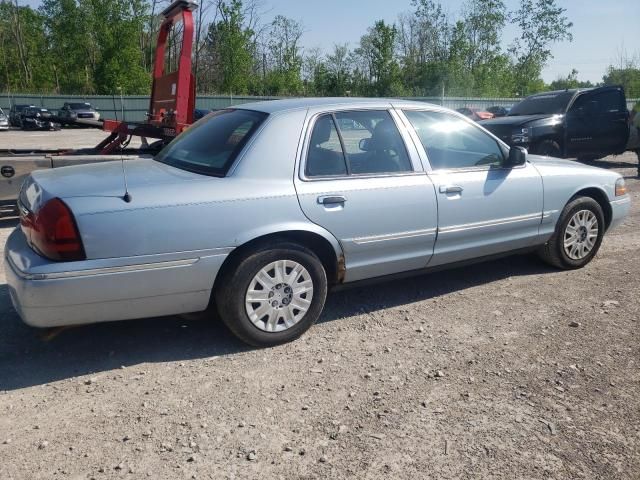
(210, 147)
(453, 143)
(356, 143)
(609, 101)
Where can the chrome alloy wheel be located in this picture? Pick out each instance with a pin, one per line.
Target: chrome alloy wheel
(581, 234)
(279, 296)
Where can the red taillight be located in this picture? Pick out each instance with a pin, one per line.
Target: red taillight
(52, 231)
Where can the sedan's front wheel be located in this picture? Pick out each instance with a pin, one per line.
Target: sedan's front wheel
(273, 294)
(578, 235)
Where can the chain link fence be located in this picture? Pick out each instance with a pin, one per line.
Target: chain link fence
(134, 108)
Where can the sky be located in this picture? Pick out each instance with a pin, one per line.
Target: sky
(602, 29)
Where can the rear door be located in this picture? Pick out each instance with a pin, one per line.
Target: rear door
(360, 178)
(597, 123)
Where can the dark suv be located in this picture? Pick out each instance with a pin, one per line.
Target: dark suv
(15, 114)
(578, 123)
(36, 118)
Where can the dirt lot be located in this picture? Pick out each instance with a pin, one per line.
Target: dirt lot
(472, 373)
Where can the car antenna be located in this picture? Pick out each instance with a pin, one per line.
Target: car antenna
(127, 196)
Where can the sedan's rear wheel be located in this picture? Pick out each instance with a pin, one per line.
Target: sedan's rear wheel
(578, 235)
(272, 295)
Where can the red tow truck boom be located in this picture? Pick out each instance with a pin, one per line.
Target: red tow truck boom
(173, 94)
(171, 107)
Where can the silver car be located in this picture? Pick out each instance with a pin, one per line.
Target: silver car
(257, 211)
(4, 121)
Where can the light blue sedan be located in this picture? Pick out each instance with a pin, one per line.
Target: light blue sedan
(257, 211)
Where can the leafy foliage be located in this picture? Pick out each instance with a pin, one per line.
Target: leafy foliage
(107, 47)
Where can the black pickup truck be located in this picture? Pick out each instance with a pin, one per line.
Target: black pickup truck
(578, 123)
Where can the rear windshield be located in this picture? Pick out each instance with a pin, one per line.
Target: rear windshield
(548, 103)
(211, 145)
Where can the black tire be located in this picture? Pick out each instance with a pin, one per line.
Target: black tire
(548, 148)
(553, 252)
(232, 287)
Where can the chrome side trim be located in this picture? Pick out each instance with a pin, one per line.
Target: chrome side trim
(492, 223)
(394, 236)
(101, 271)
(548, 213)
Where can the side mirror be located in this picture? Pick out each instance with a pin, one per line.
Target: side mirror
(365, 144)
(517, 156)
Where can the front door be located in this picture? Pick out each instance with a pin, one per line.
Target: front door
(362, 181)
(484, 208)
(597, 123)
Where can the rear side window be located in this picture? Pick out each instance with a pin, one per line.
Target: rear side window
(356, 143)
(453, 143)
(210, 147)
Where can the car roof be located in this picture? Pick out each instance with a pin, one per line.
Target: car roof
(289, 104)
(558, 92)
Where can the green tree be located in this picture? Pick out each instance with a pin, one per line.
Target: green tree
(385, 71)
(232, 48)
(337, 80)
(285, 57)
(542, 23)
(23, 50)
(628, 77)
(570, 81)
(94, 45)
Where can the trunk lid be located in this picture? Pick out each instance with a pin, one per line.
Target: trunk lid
(104, 180)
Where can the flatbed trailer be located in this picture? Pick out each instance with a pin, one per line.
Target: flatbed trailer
(170, 113)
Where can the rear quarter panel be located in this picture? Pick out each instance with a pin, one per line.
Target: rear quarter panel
(257, 198)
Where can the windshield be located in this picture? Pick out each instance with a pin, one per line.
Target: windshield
(211, 145)
(80, 106)
(548, 103)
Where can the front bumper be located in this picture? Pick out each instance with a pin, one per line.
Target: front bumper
(49, 294)
(619, 210)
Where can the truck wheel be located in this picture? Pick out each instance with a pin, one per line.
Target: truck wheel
(272, 295)
(548, 148)
(577, 237)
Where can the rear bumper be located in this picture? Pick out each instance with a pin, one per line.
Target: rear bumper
(619, 210)
(48, 294)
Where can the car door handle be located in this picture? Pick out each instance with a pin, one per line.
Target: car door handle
(331, 199)
(450, 189)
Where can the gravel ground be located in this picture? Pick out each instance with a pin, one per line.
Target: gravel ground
(507, 369)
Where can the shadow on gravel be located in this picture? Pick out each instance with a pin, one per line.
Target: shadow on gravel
(31, 357)
(611, 164)
(394, 293)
